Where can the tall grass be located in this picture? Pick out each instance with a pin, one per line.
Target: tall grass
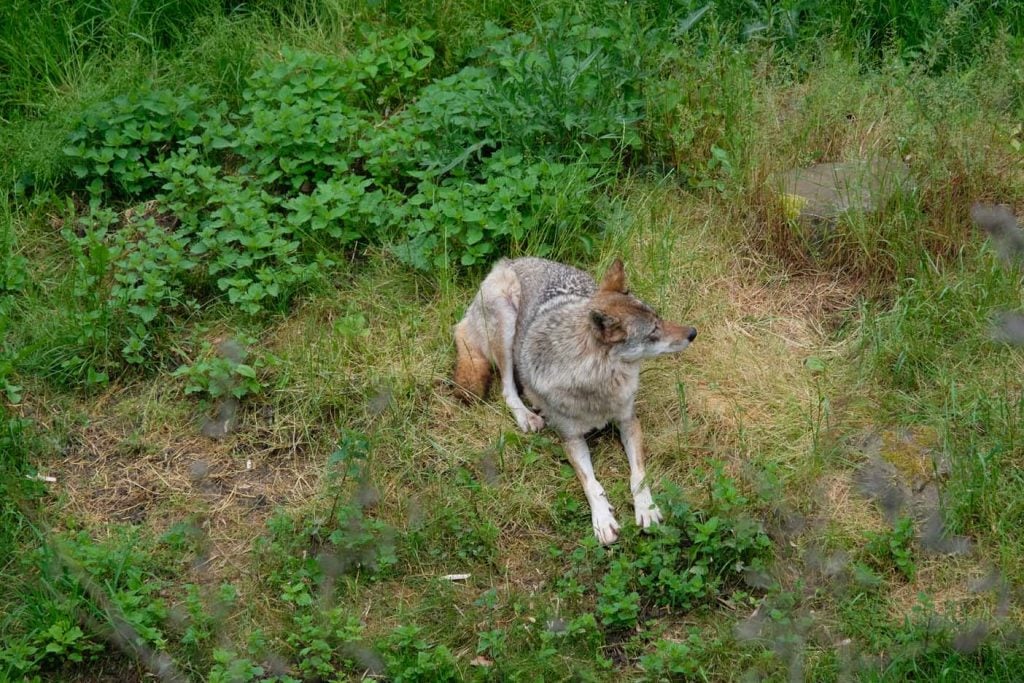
(46, 47)
(355, 437)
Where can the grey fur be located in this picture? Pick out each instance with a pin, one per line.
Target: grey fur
(575, 348)
(575, 384)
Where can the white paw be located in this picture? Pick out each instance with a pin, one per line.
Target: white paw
(529, 421)
(605, 527)
(647, 515)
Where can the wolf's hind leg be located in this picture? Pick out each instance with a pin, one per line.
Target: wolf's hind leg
(499, 304)
(527, 420)
(472, 369)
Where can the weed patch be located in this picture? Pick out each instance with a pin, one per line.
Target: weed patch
(253, 205)
(275, 213)
(691, 558)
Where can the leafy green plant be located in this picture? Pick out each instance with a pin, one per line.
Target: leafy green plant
(229, 667)
(218, 373)
(13, 267)
(693, 555)
(11, 391)
(581, 634)
(300, 550)
(673, 660)
(116, 142)
(65, 641)
(204, 618)
(355, 540)
(254, 234)
(467, 222)
(617, 603)
(338, 212)
(894, 548)
(132, 586)
(320, 641)
(491, 642)
(409, 657)
(297, 125)
(297, 552)
(115, 584)
(18, 657)
(95, 320)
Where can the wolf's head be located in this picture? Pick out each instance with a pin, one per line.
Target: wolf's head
(629, 326)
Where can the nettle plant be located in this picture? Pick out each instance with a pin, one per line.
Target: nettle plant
(223, 371)
(697, 552)
(113, 585)
(893, 548)
(327, 153)
(115, 142)
(410, 657)
(126, 277)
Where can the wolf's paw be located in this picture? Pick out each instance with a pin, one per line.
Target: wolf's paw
(605, 527)
(647, 516)
(529, 421)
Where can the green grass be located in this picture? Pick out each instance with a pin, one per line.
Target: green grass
(312, 541)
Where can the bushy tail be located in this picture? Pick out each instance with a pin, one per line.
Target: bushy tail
(472, 369)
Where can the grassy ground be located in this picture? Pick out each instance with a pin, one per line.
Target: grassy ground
(838, 451)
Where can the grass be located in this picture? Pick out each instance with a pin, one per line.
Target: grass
(312, 538)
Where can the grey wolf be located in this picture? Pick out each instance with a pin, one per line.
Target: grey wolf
(575, 347)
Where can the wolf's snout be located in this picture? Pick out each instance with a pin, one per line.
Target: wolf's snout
(692, 335)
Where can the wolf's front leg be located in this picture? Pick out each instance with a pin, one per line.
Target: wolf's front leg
(605, 527)
(647, 513)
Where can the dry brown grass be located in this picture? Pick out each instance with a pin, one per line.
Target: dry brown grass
(741, 395)
(139, 458)
(952, 586)
(956, 157)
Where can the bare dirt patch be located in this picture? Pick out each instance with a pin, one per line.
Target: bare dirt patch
(116, 469)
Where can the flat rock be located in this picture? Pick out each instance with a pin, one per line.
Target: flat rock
(822, 192)
(901, 473)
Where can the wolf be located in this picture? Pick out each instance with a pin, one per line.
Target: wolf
(574, 346)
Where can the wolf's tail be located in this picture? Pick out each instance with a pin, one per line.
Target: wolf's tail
(472, 369)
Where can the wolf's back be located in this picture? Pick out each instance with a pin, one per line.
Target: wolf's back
(546, 284)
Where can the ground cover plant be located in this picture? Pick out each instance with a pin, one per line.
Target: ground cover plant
(234, 238)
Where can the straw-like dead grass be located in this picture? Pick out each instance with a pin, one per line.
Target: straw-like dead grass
(144, 466)
(375, 357)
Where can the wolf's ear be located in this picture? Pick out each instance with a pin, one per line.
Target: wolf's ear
(608, 328)
(614, 278)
